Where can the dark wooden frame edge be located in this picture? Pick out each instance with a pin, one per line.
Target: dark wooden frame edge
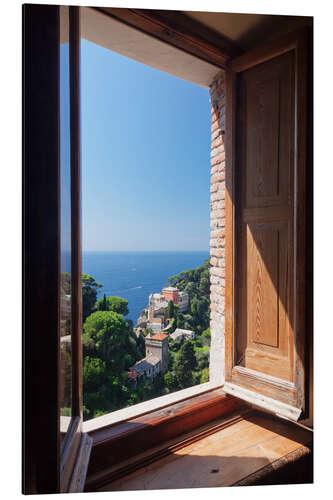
(169, 27)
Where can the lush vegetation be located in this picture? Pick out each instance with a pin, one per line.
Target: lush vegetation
(110, 346)
(189, 360)
(196, 283)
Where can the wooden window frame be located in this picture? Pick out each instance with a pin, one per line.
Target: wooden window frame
(49, 466)
(108, 437)
(40, 475)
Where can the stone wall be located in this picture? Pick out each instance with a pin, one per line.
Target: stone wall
(217, 230)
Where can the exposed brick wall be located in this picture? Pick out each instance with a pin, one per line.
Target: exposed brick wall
(217, 229)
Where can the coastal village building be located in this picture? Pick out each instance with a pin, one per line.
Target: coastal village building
(181, 299)
(158, 307)
(156, 360)
(180, 334)
(170, 293)
(157, 312)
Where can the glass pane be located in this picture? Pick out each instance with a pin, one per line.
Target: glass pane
(145, 229)
(65, 227)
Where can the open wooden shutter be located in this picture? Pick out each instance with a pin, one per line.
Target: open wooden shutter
(266, 216)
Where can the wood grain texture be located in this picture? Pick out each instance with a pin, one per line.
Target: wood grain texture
(262, 296)
(120, 442)
(78, 478)
(267, 51)
(269, 330)
(230, 147)
(261, 383)
(222, 458)
(179, 30)
(163, 450)
(265, 247)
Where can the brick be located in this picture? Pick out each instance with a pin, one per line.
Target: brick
(217, 298)
(217, 317)
(215, 126)
(217, 158)
(217, 177)
(217, 151)
(217, 233)
(217, 289)
(217, 223)
(217, 271)
(217, 205)
(219, 195)
(217, 242)
(216, 133)
(219, 167)
(217, 252)
(216, 214)
(217, 142)
(217, 262)
(217, 94)
(213, 261)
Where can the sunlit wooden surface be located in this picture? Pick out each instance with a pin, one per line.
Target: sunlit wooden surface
(223, 458)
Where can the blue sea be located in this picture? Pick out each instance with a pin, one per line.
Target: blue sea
(134, 275)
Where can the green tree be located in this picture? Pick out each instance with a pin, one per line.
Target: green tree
(185, 363)
(206, 337)
(147, 331)
(191, 289)
(202, 359)
(204, 287)
(94, 373)
(89, 295)
(110, 348)
(115, 304)
(107, 336)
(171, 309)
(101, 304)
(204, 377)
(169, 381)
(180, 321)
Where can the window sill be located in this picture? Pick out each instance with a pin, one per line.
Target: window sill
(115, 443)
(247, 447)
(140, 409)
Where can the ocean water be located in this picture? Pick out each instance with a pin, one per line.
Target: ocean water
(134, 275)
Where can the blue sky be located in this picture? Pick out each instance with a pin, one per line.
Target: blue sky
(145, 156)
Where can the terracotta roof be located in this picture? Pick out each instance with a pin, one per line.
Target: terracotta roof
(132, 375)
(159, 336)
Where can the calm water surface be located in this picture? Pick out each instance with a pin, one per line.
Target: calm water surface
(134, 275)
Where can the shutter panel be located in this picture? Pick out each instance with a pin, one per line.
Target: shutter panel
(265, 334)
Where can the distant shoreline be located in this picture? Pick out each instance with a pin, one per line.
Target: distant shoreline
(133, 275)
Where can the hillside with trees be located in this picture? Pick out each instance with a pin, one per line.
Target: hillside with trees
(189, 360)
(110, 346)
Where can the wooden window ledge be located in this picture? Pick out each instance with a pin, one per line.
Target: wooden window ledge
(244, 448)
(117, 443)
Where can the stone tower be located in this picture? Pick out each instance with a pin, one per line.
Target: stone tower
(158, 346)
